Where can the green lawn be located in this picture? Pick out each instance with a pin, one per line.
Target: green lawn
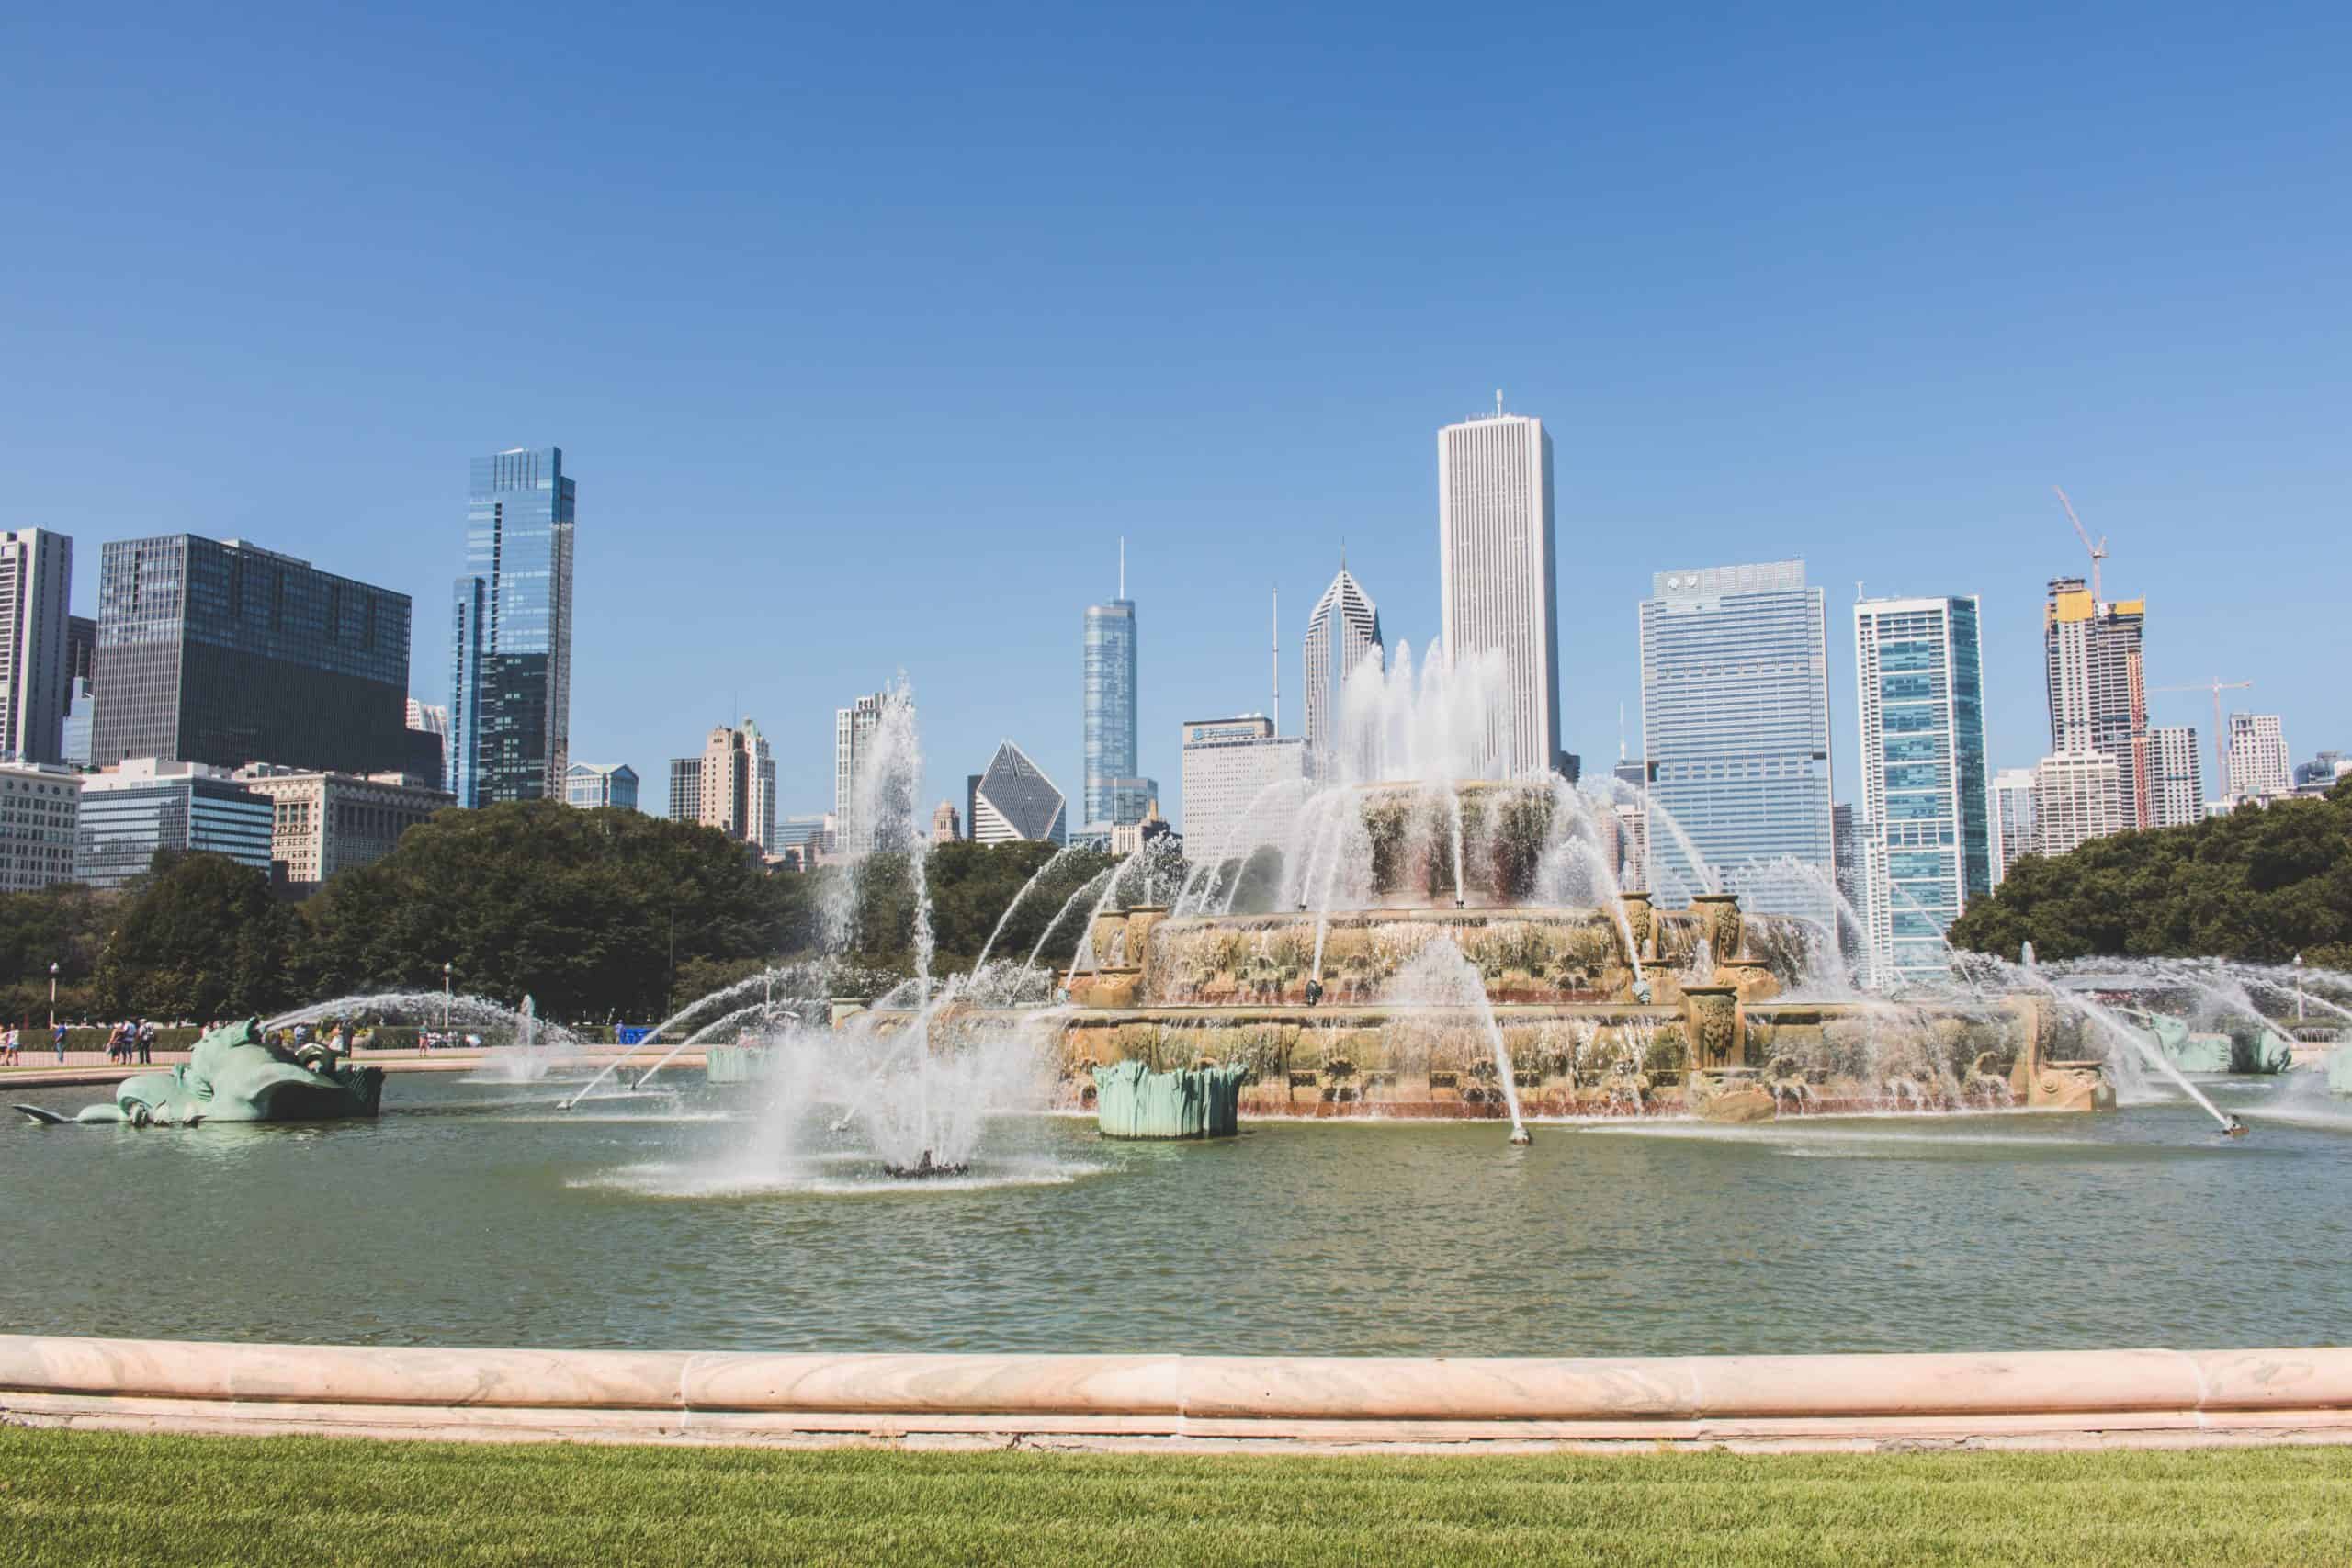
(92, 1498)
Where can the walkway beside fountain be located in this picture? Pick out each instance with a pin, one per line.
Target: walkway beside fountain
(1133, 1102)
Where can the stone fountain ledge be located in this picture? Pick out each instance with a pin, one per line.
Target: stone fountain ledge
(2051, 1398)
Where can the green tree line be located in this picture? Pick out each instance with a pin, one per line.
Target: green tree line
(2261, 884)
(596, 915)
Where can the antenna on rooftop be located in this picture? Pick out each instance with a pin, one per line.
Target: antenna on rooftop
(1123, 565)
(1275, 648)
(1498, 403)
(1621, 732)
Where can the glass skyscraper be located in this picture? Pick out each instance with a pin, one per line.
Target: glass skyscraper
(1927, 835)
(226, 653)
(1116, 797)
(511, 689)
(1735, 736)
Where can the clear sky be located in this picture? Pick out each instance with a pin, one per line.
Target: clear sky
(867, 331)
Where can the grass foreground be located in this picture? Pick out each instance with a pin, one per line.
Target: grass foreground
(104, 1497)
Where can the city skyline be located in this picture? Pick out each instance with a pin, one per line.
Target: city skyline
(1748, 336)
(2060, 590)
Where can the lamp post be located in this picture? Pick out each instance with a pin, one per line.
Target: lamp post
(2299, 987)
(52, 996)
(444, 999)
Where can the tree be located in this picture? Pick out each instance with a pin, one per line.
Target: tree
(65, 924)
(2262, 885)
(590, 913)
(201, 938)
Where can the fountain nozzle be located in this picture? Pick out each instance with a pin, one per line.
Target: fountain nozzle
(1457, 903)
(2234, 1128)
(1519, 1137)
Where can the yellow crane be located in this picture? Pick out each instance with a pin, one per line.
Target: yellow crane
(2221, 740)
(2098, 551)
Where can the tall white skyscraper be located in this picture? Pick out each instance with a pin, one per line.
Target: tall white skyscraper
(1346, 619)
(2258, 764)
(854, 729)
(2177, 783)
(1928, 849)
(36, 674)
(1495, 567)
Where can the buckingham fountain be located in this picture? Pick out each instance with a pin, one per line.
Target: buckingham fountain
(1424, 934)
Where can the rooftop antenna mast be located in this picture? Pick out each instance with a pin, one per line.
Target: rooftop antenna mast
(1621, 732)
(1498, 403)
(1123, 565)
(1275, 648)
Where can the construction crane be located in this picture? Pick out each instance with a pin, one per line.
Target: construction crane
(2098, 551)
(2220, 741)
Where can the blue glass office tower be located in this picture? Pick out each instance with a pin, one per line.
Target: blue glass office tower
(1927, 844)
(510, 707)
(1115, 796)
(1735, 732)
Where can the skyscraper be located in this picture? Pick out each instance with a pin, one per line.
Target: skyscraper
(731, 786)
(1735, 730)
(80, 654)
(685, 789)
(1233, 768)
(2099, 698)
(1845, 829)
(854, 728)
(1927, 844)
(1344, 619)
(36, 655)
(511, 691)
(2017, 830)
(1114, 795)
(2179, 786)
(1494, 568)
(1013, 800)
(2258, 761)
(2077, 796)
(225, 654)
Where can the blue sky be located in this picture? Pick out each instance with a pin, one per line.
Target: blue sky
(866, 336)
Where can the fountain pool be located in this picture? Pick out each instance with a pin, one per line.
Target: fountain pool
(475, 1213)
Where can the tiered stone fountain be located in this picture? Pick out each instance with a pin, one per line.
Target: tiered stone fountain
(1622, 1010)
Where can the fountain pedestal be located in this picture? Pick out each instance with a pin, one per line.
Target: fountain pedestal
(1133, 1102)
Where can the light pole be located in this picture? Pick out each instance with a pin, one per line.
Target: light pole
(52, 996)
(2299, 987)
(444, 999)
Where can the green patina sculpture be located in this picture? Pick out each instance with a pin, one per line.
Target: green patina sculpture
(1133, 1102)
(236, 1075)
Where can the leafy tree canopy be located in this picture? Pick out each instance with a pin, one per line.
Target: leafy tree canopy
(2261, 884)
